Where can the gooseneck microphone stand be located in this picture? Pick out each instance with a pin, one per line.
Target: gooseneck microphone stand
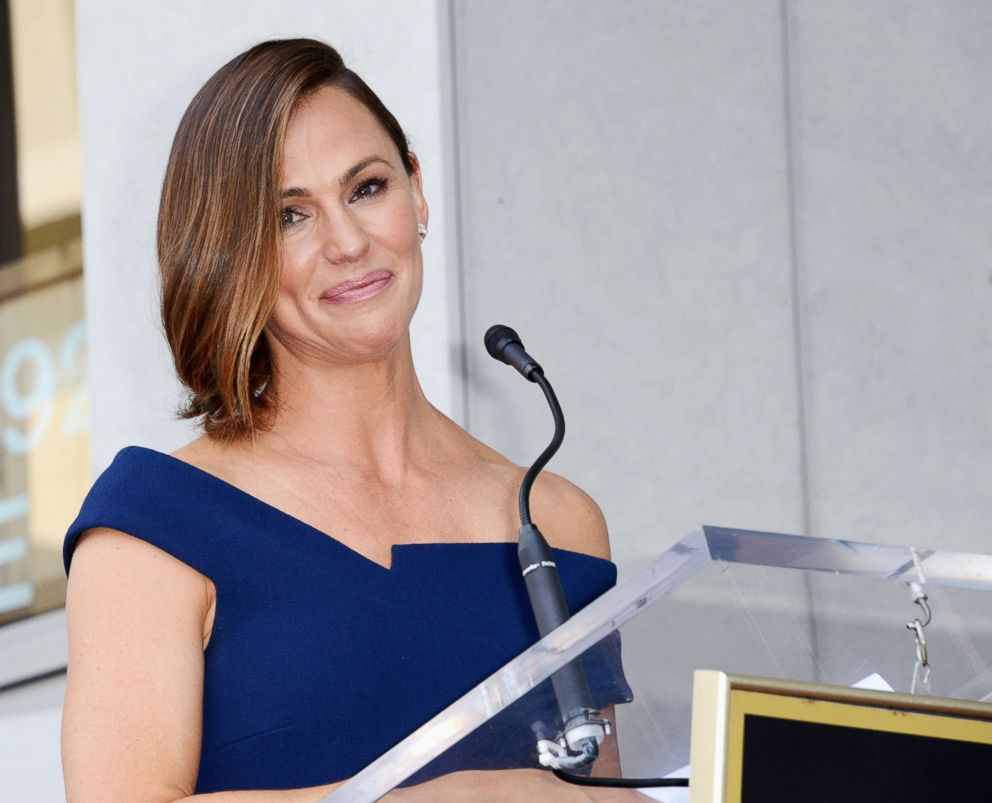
(583, 730)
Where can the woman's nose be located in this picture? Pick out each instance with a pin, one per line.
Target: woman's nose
(344, 239)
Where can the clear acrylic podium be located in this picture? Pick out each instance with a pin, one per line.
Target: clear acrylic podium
(751, 603)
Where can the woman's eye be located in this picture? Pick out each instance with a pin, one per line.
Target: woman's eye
(290, 216)
(369, 188)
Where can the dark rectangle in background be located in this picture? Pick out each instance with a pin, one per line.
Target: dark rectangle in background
(786, 760)
(10, 214)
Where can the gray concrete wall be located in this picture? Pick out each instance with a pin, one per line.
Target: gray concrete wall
(749, 243)
(627, 210)
(892, 124)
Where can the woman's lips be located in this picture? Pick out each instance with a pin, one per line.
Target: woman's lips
(371, 284)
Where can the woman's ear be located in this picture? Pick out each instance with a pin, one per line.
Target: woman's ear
(417, 185)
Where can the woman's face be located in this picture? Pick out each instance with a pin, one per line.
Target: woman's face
(351, 265)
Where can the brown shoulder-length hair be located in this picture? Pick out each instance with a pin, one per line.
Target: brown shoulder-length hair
(219, 239)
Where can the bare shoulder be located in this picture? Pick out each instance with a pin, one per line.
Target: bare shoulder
(568, 516)
(231, 463)
(202, 452)
(103, 556)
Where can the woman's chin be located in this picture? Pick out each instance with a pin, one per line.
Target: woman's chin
(374, 336)
(373, 345)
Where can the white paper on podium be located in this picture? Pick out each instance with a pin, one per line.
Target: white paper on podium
(874, 682)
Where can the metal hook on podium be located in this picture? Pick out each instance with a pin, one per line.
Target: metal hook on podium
(921, 670)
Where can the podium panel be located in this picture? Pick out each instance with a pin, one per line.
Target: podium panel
(749, 603)
(757, 739)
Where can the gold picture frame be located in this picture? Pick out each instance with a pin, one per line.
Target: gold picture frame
(721, 703)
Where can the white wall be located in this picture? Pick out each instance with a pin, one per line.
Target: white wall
(30, 720)
(31, 712)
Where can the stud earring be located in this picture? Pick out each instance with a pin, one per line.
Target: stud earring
(421, 231)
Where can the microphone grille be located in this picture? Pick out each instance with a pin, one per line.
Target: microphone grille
(497, 338)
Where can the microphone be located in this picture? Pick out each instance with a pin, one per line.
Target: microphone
(504, 344)
(583, 731)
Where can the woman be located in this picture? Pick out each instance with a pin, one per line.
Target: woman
(275, 604)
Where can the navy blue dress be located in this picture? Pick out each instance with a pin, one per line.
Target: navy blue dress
(320, 659)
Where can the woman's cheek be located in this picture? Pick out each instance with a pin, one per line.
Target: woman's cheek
(399, 227)
(297, 253)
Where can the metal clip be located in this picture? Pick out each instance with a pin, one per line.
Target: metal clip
(559, 755)
(921, 671)
(921, 642)
(921, 679)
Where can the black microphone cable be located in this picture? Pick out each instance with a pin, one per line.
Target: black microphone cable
(548, 453)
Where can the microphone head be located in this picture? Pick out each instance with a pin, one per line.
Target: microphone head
(497, 338)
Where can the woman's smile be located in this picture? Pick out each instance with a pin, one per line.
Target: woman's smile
(360, 289)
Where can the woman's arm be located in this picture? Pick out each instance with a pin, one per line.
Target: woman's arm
(310, 794)
(132, 718)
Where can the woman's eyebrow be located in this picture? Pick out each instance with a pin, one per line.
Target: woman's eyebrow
(358, 168)
(354, 170)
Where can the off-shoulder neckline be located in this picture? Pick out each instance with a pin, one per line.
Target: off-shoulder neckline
(309, 528)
